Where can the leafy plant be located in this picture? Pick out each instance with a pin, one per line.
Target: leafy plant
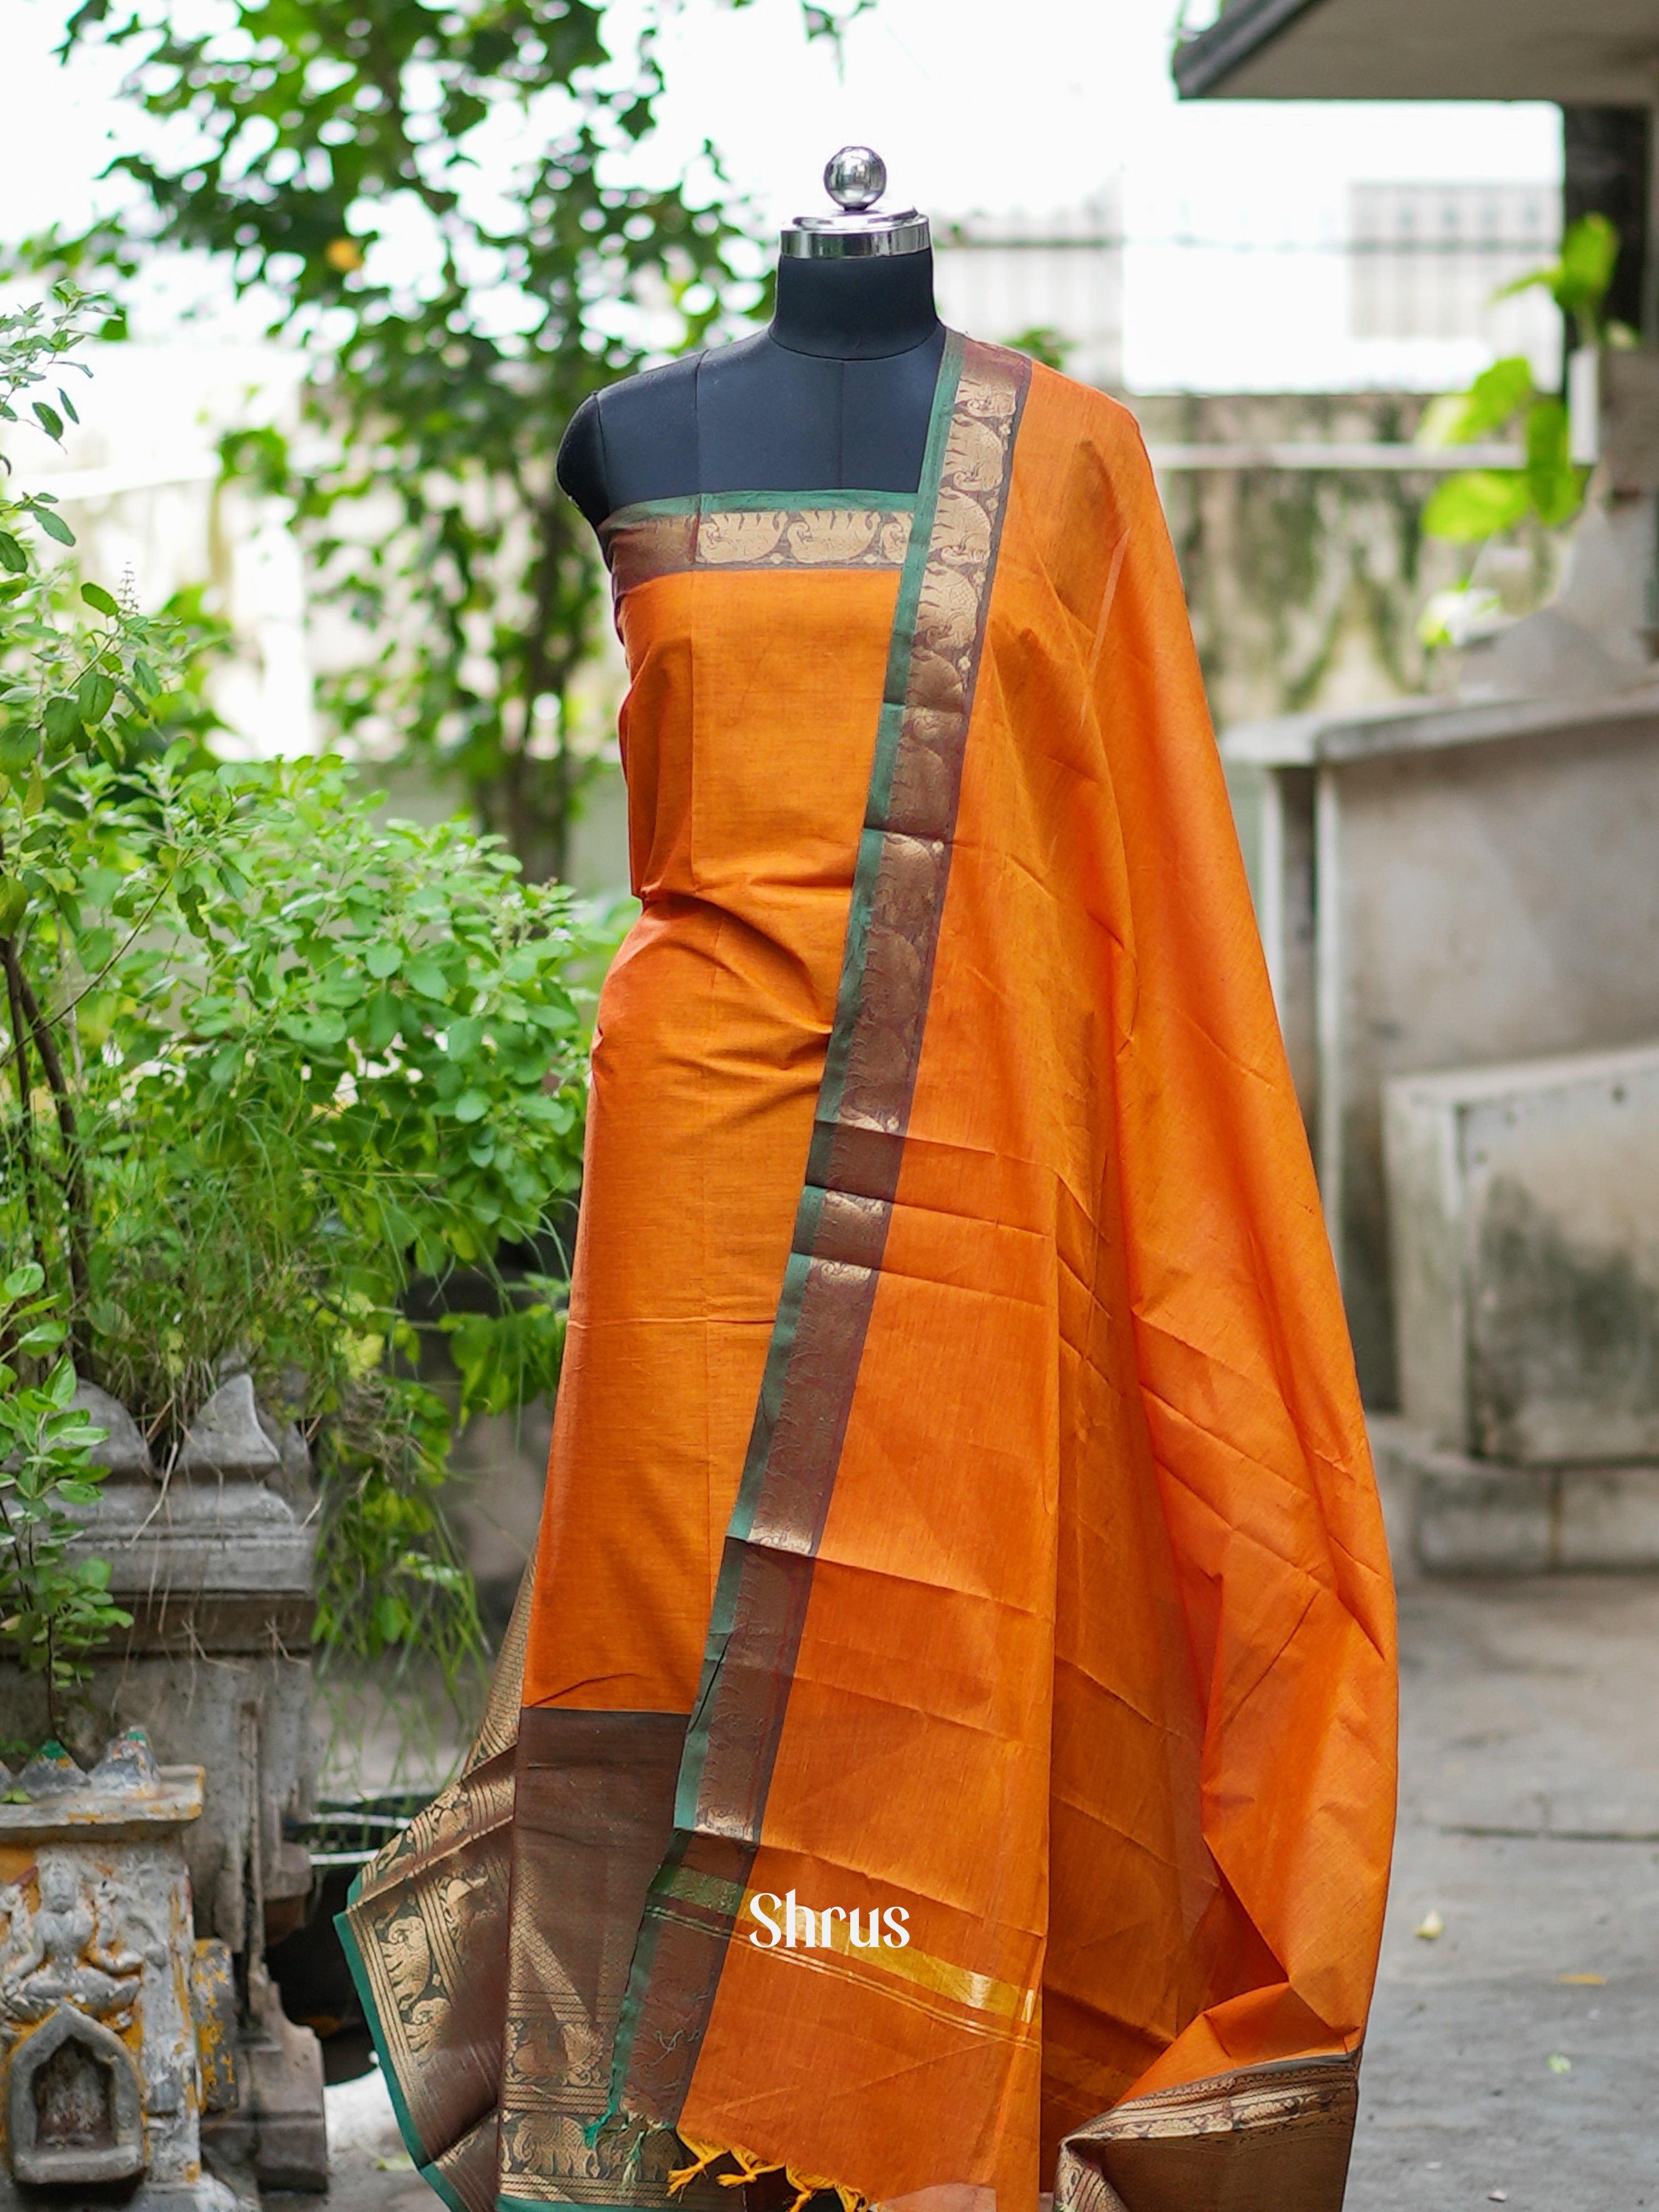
(1477, 503)
(273, 1058)
(1043, 343)
(53, 1609)
(332, 159)
(1578, 282)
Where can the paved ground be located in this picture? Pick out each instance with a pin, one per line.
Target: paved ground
(1518, 2051)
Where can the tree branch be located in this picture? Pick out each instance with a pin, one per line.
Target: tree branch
(26, 1120)
(78, 1197)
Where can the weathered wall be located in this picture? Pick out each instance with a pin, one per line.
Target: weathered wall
(1305, 585)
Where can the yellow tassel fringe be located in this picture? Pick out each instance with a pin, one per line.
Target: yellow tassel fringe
(751, 2168)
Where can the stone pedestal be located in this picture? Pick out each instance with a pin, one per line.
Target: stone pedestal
(1524, 1222)
(1455, 1515)
(103, 2083)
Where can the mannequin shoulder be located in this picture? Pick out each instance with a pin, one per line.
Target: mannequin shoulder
(633, 440)
(581, 464)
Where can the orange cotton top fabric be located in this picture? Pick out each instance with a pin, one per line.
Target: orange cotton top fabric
(1091, 1672)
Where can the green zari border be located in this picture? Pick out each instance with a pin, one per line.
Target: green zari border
(763, 502)
(406, 2128)
(545, 2204)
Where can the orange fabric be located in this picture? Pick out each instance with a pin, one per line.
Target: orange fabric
(747, 738)
(1097, 1676)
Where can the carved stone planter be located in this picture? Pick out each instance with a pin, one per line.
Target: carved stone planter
(215, 1564)
(99, 1960)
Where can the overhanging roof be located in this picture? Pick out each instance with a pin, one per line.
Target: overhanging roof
(1599, 52)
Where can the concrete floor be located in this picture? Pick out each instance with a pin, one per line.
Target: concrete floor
(1529, 1825)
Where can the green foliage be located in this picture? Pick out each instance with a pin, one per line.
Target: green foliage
(1459, 418)
(1578, 282)
(1477, 503)
(273, 1060)
(334, 161)
(1044, 344)
(53, 1609)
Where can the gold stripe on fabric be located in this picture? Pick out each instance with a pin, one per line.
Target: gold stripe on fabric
(977, 1993)
(643, 547)
(1273, 2138)
(961, 1985)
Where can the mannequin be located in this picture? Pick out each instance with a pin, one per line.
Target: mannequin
(833, 395)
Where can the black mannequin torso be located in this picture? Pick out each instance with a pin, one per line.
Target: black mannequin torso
(834, 396)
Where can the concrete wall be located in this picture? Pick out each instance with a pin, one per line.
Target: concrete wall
(1448, 888)
(1524, 1221)
(1305, 585)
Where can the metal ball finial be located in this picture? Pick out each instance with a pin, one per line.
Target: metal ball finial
(856, 178)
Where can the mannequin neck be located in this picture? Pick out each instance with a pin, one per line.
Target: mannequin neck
(855, 310)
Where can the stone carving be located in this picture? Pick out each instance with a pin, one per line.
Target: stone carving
(97, 1953)
(74, 2110)
(123, 1450)
(66, 1951)
(226, 1437)
(215, 1566)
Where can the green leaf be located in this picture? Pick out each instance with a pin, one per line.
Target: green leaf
(45, 1336)
(385, 1018)
(1578, 282)
(50, 421)
(12, 558)
(14, 904)
(18, 747)
(62, 721)
(53, 524)
(423, 974)
(1554, 485)
(1476, 504)
(1589, 253)
(94, 695)
(96, 596)
(383, 960)
(60, 1383)
(319, 1030)
(1461, 417)
(22, 1282)
(472, 1106)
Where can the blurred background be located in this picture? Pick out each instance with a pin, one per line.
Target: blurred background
(1244, 275)
(1379, 280)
